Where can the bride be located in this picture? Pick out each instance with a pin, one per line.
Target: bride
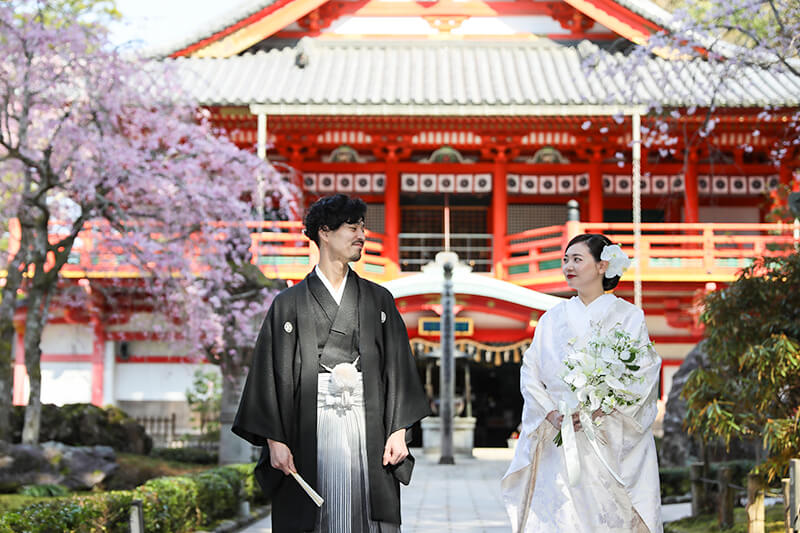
(611, 484)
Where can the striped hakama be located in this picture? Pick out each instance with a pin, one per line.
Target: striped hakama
(342, 476)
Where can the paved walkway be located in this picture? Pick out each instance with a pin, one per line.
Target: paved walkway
(460, 498)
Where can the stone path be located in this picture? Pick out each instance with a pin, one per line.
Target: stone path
(460, 498)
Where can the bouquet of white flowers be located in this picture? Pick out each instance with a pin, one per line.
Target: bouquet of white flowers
(604, 374)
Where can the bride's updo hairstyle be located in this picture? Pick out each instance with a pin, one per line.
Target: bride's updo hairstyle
(596, 242)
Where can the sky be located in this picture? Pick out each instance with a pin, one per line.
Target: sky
(152, 23)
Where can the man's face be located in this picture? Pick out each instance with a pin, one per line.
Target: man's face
(345, 243)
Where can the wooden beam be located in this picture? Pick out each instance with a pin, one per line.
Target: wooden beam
(259, 30)
(627, 24)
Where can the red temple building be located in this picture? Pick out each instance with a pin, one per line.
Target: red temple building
(467, 126)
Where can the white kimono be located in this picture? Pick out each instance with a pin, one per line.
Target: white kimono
(536, 490)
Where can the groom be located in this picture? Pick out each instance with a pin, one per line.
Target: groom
(351, 450)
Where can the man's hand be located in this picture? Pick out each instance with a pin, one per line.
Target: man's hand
(280, 457)
(396, 449)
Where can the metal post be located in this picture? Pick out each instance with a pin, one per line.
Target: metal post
(137, 517)
(447, 370)
(794, 494)
(572, 227)
(637, 208)
(573, 211)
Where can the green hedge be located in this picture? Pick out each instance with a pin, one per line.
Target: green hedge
(171, 505)
(186, 455)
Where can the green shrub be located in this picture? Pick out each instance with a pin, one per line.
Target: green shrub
(186, 455)
(103, 512)
(251, 491)
(674, 481)
(175, 504)
(170, 504)
(217, 494)
(43, 491)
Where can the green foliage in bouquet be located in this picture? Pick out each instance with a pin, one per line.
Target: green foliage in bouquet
(750, 388)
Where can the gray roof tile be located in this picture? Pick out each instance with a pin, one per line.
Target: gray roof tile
(457, 78)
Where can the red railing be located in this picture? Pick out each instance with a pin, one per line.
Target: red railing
(279, 249)
(668, 252)
(282, 251)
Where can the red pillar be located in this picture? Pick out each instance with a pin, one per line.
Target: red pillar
(20, 374)
(596, 187)
(98, 361)
(391, 211)
(499, 214)
(690, 204)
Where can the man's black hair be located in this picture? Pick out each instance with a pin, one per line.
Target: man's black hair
(331, 212)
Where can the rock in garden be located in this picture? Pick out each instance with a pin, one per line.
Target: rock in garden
(77, 468)
(83, 467)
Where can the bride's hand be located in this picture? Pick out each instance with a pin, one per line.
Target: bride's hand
(576, 422)
(555, 418)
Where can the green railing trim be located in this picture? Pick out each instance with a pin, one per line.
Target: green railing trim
(283, 260)
(550, 264)
(518, 269)
(374, 269)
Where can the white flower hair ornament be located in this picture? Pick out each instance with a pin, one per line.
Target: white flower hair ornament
(618, 262)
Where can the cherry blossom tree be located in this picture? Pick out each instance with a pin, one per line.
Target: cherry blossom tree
(709, 58)
(90, 138)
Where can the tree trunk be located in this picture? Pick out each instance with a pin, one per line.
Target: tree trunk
(38, 302)
(8, 305)
(232, 449)
(6, 372)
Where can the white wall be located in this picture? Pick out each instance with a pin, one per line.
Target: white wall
(67, 339)
(66, 383)
(155, 381)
